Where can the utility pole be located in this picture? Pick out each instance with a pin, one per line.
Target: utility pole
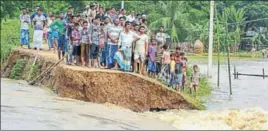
(122, 4)
(210, 48)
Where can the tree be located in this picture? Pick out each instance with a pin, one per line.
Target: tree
(171, 19)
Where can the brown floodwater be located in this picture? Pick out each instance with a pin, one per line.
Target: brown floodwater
(30, 107)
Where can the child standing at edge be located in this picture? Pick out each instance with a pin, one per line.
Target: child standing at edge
(178, 72)
(49, 32)
(84, 43)
(102, 39)
(172, 70)
(184, 70)
(60, 23)
(164, 74)
(45, 30)
(95, 39)
(195, 79)
(55, 37)
(152, 51)
(76, 43)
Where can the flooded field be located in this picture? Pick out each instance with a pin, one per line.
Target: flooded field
(23, 105)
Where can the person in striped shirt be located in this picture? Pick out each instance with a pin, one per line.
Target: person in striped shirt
(76, 43)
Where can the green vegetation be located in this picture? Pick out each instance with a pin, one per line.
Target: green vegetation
(10, 32)
(53, 89)
(204, 89)
(17, 69)
(183, 20)
(33, 71)
(202, 92)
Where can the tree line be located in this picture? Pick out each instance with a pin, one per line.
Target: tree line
(182, 20)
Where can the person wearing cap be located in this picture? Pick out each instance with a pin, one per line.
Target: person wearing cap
(124, 54)
(39, 21)
(24, 28)
(60, 24)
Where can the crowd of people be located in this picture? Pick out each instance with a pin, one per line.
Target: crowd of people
(108, 39)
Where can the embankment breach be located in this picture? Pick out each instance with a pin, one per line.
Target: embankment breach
(128, 90)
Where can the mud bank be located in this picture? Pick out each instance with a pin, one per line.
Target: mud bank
(127, 90)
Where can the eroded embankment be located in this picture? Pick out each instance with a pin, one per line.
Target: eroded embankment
(128, 90)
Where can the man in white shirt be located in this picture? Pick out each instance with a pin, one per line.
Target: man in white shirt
(39, 22)
(131, 17)
(24, 29)
(140, 50)
(123, 56)
(160, 37)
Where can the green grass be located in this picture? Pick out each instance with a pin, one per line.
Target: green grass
(10, 38)
(204, 90)
(33, 71)
(17, 69)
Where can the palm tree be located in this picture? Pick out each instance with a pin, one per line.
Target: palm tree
(172, 17)
(236, 16)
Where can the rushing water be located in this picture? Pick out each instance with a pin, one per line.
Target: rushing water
(247, 91)
(29, 107)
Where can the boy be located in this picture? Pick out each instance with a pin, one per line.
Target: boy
(49, 32)
(140, 50)
(85, 40)
(76, 43)
(60, 23)
(172, 70)
(95, 41)
(178, 72)
(24, 29)
(164, 74)
(195, 79)
(54, 37)
(185, 67)
(178, 51)
(152, 51)
(102, 45)
(69, 28)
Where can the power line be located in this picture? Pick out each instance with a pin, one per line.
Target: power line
(246, 21)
